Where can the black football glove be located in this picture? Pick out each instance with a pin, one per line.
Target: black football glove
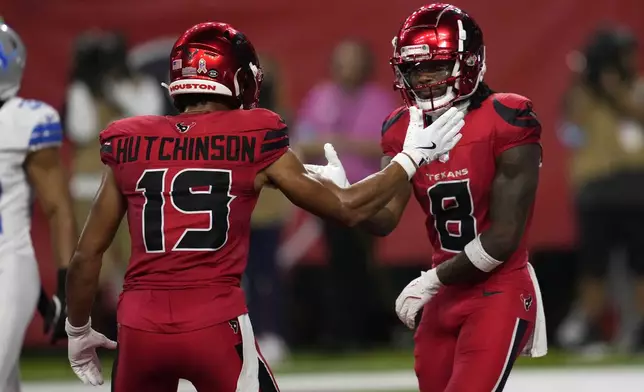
(54, 310)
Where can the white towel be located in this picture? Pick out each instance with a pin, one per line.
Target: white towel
(248, 380)
(538, 344)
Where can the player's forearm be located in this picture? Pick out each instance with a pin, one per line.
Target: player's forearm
(459, 270)
(82, 285)
(364, 199)
(380, 224)
(64, 235)
(499, 243)
(385, 221)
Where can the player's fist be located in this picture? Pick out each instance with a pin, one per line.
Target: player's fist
(333, 171)
(60, 308)
(426, 144)
(82, 344)
(57, 326)
(415, 295)
(53, 311)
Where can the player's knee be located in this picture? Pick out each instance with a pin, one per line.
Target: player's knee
(433, 372)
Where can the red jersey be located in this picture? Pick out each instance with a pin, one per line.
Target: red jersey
(456, 195)
(189, 185)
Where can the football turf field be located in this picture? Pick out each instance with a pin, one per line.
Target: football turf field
(522, 380)
(384, 371)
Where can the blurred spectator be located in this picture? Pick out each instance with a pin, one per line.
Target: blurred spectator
(605, 131)
(264, 281)
(151, 58)
(103, 89)
(347, 111)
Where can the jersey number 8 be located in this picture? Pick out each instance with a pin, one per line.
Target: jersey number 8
(192, 191)
(453, 210)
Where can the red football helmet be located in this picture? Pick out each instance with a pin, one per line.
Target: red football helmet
(438, 35)
(214, 58)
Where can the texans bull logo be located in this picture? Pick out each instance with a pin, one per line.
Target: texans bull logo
(234, 325)
(183, 128)
(527, 301)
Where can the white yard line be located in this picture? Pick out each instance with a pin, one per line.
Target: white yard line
(522, 380)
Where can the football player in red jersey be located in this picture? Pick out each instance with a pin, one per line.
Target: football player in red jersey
(188, 185)
(480, 299)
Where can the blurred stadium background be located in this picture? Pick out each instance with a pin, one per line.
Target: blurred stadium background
(310, 334)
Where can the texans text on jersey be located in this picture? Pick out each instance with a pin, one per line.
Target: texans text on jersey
(449, 175)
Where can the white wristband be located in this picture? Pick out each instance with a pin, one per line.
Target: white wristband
(479, 257)
(431, 278)
(406, 163)
(77, 331)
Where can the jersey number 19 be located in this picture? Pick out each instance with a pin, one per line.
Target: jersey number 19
(192, 191)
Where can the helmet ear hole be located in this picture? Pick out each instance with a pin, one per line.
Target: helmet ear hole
(14, 44)
(470, 60)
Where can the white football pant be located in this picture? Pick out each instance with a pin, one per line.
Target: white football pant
(19, 291)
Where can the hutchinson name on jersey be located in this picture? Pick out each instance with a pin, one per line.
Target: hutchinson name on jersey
(25, 126)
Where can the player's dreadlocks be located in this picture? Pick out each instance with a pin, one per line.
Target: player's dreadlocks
(481, 94)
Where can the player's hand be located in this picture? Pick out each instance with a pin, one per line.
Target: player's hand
(333, 171)
(426, 144)
(47, 310)
(53, 311)
(82, 345)
(55, 320)
(415, 295)
(59, 306)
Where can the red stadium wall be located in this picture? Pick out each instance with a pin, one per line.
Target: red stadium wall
(526, 45)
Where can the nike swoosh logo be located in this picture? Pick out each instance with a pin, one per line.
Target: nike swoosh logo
(433, 146)
(491, 293)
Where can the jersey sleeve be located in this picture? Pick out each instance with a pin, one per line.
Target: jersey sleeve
(47, 130)
(273, 140)
(517, 123)
(107, 140)
(389, 143)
